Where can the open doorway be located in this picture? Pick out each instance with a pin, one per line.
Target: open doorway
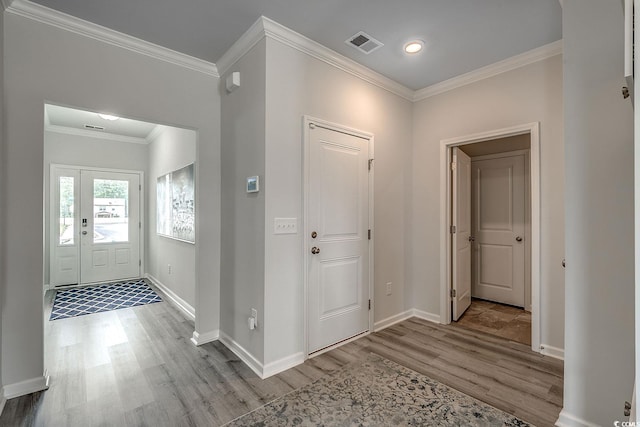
(490, 221)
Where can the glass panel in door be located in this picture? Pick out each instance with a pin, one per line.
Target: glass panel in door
(110, 211)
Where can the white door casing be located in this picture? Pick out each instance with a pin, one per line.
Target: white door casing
(499, 229)
(338, 257)
(102, 240)
(461, 233)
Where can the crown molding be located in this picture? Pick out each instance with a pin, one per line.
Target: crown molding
(265, 27)
(30, 10)
(95, 134)
(5, 4)
(242, 46)
(526, 58)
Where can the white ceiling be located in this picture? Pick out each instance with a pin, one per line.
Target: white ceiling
(63, 119)
(460, 35)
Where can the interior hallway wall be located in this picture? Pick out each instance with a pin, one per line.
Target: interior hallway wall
(76, 150)
(599, 177)
(49, 64)
(528, 94)
(171, 149)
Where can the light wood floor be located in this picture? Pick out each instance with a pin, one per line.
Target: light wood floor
(136, 367)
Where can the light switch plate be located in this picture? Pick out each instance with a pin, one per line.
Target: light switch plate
(285, 226)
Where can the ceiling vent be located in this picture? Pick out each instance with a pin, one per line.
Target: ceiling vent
(93, 127)
(364, 42)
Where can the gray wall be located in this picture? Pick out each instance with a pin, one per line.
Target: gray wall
(171, 149)
(599, 176)
(243, 216)
(3, 180)
(46, 66)
(298, 84)
(528, 94)
(76, 150)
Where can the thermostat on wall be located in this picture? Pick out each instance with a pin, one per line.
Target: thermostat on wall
(253, 184)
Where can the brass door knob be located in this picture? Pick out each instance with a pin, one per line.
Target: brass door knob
(315, 250)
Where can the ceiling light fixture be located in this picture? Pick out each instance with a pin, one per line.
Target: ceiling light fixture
(414, 46)
(108, 117)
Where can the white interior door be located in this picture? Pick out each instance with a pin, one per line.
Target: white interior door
(337, 223)
(499, 229)
(461, 236)
(110, 226)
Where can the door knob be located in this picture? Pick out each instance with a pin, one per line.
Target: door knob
(518, 239)
(314, 235)
(472, 239)
(84, 232)
(315, 250)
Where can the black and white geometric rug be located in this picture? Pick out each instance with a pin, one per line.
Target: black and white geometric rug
(95, 299)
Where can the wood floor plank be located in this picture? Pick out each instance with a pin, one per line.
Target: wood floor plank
(137, 366)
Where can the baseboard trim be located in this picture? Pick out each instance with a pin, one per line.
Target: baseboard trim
(400, 317)
(26, 387)
(283, 364)
(568, 420)
(392, 320)
(425, 315)
(199, 339)
(551, 351)
(173, 298)
(3, 400)
(243, 354)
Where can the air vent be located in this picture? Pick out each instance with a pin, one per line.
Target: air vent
(364, 42)
(93, 127)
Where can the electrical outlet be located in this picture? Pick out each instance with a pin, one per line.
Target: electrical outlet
(254, 316)
(389, 288)
(169, 268)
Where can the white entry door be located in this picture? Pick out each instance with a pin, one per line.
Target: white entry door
(338, 245)
(96, 226)
(461, 233)
(499, 229)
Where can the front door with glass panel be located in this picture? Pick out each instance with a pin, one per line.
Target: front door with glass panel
(96, 232)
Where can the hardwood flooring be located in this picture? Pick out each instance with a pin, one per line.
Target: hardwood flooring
(136, 367)
(502, 320)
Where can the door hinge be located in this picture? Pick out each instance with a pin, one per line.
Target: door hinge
(453, 166)
(139, 187)
(139, 263)
(369, 304)
(369, 234)
(452, 229)
(370, 163)
(453, 293)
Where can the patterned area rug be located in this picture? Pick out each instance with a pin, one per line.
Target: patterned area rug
(377, 392)
(94, 299)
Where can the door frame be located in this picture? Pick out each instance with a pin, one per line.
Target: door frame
(52, 215)
(532, 129)
(307, 121)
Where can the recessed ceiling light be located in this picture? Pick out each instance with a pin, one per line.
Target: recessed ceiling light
(414, 46)
(108, 117)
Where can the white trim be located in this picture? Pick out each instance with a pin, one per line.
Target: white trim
(306, 138)
(37, 12)
(5, 5)
(445, 196)
(3, 400)
(242, 46)
(283, 364)
(424, 315)
(205, 337)
(243, 354)
(173, 298)
(538, 54)
(94, 134)
(405, 315)
(551, 351)
(568, 420)
(26, 387)
(155, 133)
(392, 320)
(265, 27)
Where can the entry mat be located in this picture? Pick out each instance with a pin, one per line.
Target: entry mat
(95, 299)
